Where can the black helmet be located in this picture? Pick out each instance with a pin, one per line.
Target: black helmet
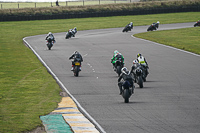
(76, 52)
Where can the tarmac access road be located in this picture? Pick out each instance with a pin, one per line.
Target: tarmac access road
(169, 101)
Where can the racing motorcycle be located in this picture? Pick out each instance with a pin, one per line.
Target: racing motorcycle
(127, 28)
(144, 72)
(71, 33)
(197, 23)
(118, 65)
(127, 91)
(138, 74)
(77, 65)
(153, 26)
(50, 43)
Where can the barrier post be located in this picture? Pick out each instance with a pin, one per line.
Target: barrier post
(35, 5)
(18, 5)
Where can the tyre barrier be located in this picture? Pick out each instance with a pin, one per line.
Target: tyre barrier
(135, 11)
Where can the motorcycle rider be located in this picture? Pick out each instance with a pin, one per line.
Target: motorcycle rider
(127, 79)
(156, 25)
(135, 65)
(74, 31)
(76, 56)
(116, 56)
(130, 26)
(143, 62)
(50, 37)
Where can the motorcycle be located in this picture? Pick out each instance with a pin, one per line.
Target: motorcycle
(127, 91)
(153, 26)
(127, 28)
(144, 72)
(50, 43)
(77, 65)
(138, 74)
(118, 65)
(197, 24)
(70, 33)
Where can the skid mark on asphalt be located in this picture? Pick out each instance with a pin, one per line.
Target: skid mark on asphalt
(77, 122)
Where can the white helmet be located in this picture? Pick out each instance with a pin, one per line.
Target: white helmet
(158, 22)
(125, 71)
(135, 62)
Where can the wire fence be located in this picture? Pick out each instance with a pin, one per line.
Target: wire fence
(5, 5)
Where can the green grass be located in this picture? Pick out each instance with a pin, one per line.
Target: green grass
(27, 89)
(187, 38)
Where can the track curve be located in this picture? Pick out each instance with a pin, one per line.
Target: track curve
(169, 101)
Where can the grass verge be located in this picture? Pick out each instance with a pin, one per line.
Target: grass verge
(186, 39)
(27, 90)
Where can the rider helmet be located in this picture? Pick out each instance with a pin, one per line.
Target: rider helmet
(74, 28)
(138, 55)
(116, 52)
(158, 22)
(76, 52)
(125, 70)
(50, 33)
(135, 62)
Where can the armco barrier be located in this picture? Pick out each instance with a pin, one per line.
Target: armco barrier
(135, 11)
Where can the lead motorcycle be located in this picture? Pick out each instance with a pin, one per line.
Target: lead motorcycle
(197, 23)
(127, 91)
(77, 65)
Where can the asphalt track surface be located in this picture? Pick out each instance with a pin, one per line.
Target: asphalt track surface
(169, 101)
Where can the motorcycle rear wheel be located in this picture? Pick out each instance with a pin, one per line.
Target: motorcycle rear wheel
(140, 82)
(126, 95)
(76, 71)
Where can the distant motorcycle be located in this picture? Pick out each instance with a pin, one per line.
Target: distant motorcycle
(127, 91)
(50, 43)
(127, 28)
(153, 26)
(71, 33)
(197, 23)
(68, 35)
(77, 65)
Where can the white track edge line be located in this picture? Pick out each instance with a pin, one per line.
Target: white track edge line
(61, 85)
(166, 46)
